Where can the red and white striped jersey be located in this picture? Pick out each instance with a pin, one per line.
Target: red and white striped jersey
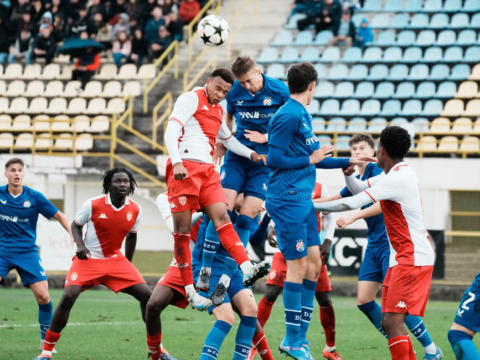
(107, 226)
(402, 209)
(202, 124)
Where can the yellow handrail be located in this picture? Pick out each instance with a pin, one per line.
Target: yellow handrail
(156, 121)
(172, 62)
(197, 18)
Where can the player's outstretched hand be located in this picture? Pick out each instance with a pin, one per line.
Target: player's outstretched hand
(259, 157)
(325, 250)
(219, 152)
(179, 171)
(83, 253)
(320, 154)
(272, 237)
(348, 170)
(362, 159)
(343, 222)
(255, 136)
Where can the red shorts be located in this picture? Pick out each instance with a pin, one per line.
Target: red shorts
(406, 288)
(117, 273)
(201, 188)
(173, 280)
(278, 273)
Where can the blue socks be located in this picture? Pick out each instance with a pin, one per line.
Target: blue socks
(214, 340)
(242, 227)
(292, 301)
(417, 328)
(45, 313)
(243, 340)
(210, 245)
(463, 346)
(374, 314)
(308, 295)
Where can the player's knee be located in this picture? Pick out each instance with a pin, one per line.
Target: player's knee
(250, 309)
(42, 298)
(183, 227)
(67, 300)
(228, 317)
(323, 299)
(272, 292)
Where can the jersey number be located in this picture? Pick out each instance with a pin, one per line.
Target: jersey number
(466, 302)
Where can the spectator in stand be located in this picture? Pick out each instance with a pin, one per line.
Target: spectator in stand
(136, 11)
(72, 11)
(153, 24)
(105, 36)
(168, 6)
(79, 24)
(149, 6)
(120, 7)
(188, 10)
(56, 7)
(26, 23)
(60, 31)
(139, 45)
(327, 19)
(364, 35)
(4, 43)
(85, 67)
(122, 25)
(159, 44)
(44, 45)
(47, 20)
(94, 26)
(18, 10)
(313, 9)
(300, 6)
(23, 47)
(122, 47)
(95, 7)
(174, 26)
(37, 11)
(344, 32)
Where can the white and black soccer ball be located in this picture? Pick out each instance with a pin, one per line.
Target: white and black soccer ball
(213, 30)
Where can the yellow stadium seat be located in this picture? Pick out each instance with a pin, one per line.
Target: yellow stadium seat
(35, 88)
(440, 125)
(112, 89)
(53, 88)
(472, 108)
(76, 106)
(470, 144)
(427, 144)
(6, 140)
(61, 123)
(12, 72)
(18, 105)
(107, 72)
(50, 72)
(63, 142)
(448, 144)
(467, 90)
(99, 124)
(15, 88)
(24, 141)
(127, 72)
(84, 142)
(38, 105)
(453, 107)
(92, 89)
(462, 126)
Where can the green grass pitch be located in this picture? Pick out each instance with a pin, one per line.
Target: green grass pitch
(104, 325)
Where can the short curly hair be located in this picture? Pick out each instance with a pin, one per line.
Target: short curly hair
(396, 141)
(300, 76)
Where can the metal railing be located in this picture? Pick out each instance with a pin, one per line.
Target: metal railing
(210, 63)
(157, 121)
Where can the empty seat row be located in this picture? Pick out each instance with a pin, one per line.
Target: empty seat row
(303, 38)
(448, 144)
(457, 107)
(80, 123)
(56, 88)
(44, 142)
(448, 6)
(387, 90)
(60, 105)
(458, 21)
(407, 38)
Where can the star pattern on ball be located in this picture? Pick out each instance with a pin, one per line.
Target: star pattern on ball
(205, 38)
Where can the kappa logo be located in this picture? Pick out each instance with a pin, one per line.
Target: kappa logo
(401, 305)
(3, 201)
(182, 200)
(172, 206)
(222, 175)
(129, 216)
(239, 243)
(300, 245)
(205, 107)
(102, 216)
(183, 265)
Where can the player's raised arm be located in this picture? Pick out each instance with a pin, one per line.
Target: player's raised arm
(345, 204)
(370, 211)
(356, 185)
(232, 144)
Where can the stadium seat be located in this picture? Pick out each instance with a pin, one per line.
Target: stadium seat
(452, 6)
(398, 72)
(420, 124)
(405, 90)
(391, 108)
(24, 141)
(92, 89)
(393, 6)
(50, 72)
(426, 38)
(399, 121)
(35, 88)
(21, 123)
(427, 144)
(357, 124)
(439, 21)
(83, 142)
(38, 105)
(61, 123)
(127, 72)
(12, 72)
(146, 71)
(66, 73)
(5, 122)
(338, 72)
(425, 90)
(378, 72)
(350, 107)
(324, 140)
(472, 108)
(475, 75)
(289, 55)
(405, 38)
(324, 89)
(453, 54)
(413, 55)
(357, 18)
(364, 90)
(107, 72)
(342, 143)
(318, 125)
(460, 72)
(467, 90)
(99, 124)
(371, 6)
(15, 88)
(268, 55)
(115, 105)
(446, 90)
(448, 144)
(419, 21)
(31, 71)
(43, 142)
(330, 107)
(63, 142)
(358, 72)
(462, 126)
(471, 5)
(310, 54)
(336, 124)
(96, 106)
(352, 55)
(413, 6)
(282, 38)
(432, 107)
(466, 37)
(376, 125)
(472, 54)
(130, 88)
(313, 107)
(57, 105)
(470, 144)
(3, 87)
(41, 122)
(439, 72)
(76, 106)
(475, 22)
(433, 54)
(384, 90)
(321, 71)
(18, 105)
(392, 55)
(476, 127)
(453, 108)
(433, 6)
(6, 140)
(114, 89)
(330, 54)
(72, 89)
(399, 21)
(303, 38)
(370, 107)
(276, 71)
(459, 21)
(323, 37)
(344, 89)
(292, 21)
(446, 38)
(412, 107)
(80, 123)
(418, 72)
(380, 21)
(386, 38)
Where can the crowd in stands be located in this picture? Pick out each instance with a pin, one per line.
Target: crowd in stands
(335, 16)
(135, 30)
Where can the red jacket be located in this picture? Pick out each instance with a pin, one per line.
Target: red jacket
(93, 66)
(188, 10)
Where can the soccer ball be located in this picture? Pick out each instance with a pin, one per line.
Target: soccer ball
(213, 30)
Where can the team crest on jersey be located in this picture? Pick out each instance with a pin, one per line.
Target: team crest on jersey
(300, 245)
(267, 101)
(26, 203)
(129, 216)
(272, 274)
(182, 200)
(222, 175)
(74, 276)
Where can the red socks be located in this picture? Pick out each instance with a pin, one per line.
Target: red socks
(51, 339)
(401, 348)
(327, 319)
(153, 343)
(232, 243)
(264, 311)
(183, 257)
(260, 342)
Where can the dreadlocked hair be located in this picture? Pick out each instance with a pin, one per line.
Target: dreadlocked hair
(107, 179)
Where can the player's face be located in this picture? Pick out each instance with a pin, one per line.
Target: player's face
(120, 185)
(252, 80)
(381, 156)
(217, 89)
(361, 149)
(14, 174)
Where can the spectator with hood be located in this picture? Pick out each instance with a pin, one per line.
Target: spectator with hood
(154, 23)
(188, 10)
(364, 35)
(123, 25)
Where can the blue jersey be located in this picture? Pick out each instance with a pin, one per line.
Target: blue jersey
(376, 231)
(18, 218)
(253, 112)
(291, 130)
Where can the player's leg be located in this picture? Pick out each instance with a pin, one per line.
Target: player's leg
(461, 340)
(142, 293)
(366, 293)
(225, 318)
(417, 328)
(245, 305)
(45, 308)
(266, 303)
(399, 342)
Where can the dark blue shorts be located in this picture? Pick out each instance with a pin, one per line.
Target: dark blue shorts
(296, 225)
(468, 312)
(244, 176)
(375, 263)
(28, 265)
